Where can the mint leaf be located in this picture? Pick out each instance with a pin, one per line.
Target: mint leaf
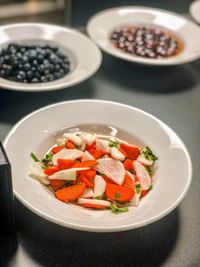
(47, 159)
(113, 144)
(148, 154)
(117, 195)
(33, 156)
(138, 188)
(117, 210)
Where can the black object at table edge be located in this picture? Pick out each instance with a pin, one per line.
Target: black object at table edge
(6, 195)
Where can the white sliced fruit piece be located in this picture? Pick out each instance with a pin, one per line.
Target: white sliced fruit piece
(141, 158)
(142, 174)
(112, 168)
(116, 154)
(82, 147)
(87, 156)
(67, 154)
(95, 202)
(37, 172)
(74, 138)
(69, 174)
(60, 141)
(99, 186)
(135, 200)
(130, 175)
(102, 145)
(88, 192)
(89, 138)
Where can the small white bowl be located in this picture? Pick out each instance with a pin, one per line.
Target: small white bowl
(195, 10)
(103, 23)
(83, 54)
(171, 179)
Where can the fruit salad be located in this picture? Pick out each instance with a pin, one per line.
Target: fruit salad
(96, 171)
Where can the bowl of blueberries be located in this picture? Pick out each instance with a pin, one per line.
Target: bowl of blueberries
(41, 57)
(144, 35)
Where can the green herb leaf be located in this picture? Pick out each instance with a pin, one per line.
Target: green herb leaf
(114, 144)
(33, 156)
(148, 154)
(138, 188)
(117, 210)
(117, 195)
(46, 160)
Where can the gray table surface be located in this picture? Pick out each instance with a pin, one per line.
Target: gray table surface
(173, 95)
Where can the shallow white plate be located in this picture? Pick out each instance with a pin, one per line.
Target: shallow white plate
(195, 10)
(102, 24)
(84, 56)
(38, 131)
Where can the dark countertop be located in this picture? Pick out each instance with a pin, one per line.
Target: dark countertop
(170, 93)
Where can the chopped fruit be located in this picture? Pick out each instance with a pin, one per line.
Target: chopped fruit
(95, 171)
(142, 174)
(131, 151)
(119, 193)
(71, 193)
(114, 169)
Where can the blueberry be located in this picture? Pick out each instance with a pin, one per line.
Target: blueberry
(32, 54)
(27, 66)
(46, 62)
(2, 73)
(53, 58)
(19, 55)
(43, 79)
(58, 75)
(33, 69)
(7, 58)
(24, 59)
(35, 80)
(19, 78)
(29, 74)
(50, 77)
(41, 68)
(37, 75)
(23, 49)
(15, 64)
(57, 67)
(46, 72)
(35, 63)
(65, 66)
(40, 58)
(51, 67)
(22, 74)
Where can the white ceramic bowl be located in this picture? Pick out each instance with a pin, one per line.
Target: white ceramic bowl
(38, 131)
(102, 24)
(195, 10)
(83, 54)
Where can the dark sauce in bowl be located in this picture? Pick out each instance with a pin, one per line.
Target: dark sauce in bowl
(149, 42)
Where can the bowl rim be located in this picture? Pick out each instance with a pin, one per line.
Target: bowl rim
(101, 229)
(45, 87)
(135, 59)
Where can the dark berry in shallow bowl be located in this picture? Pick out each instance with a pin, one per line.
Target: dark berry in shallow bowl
(146, 42)
(33, 63)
